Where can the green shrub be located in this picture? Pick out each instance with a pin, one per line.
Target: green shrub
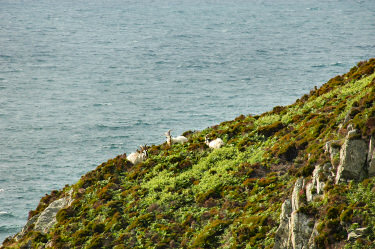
(208, 237)
(271, 129)
(95, 243)
(347, 215)
(64, 214)
(81, 236)
(332, 212)
(288, 152)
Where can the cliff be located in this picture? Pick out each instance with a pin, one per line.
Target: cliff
(299, 176)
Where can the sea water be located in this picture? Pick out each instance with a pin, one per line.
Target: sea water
(83, 81)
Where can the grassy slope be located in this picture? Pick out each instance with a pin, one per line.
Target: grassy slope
(189, 196)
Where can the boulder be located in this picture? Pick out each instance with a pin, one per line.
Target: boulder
(353, 155)
(47, 219)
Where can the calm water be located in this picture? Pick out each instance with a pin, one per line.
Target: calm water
(84, 81)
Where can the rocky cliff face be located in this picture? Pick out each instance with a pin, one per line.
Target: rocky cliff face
(298, 230)
(45, 220)
(353, 157)
(299, 176)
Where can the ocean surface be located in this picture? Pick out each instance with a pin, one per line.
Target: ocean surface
(83, 81)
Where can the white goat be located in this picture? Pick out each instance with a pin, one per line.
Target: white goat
(175, 140)
(214, 144)
(138, 156)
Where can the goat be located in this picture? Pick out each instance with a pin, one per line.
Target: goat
(138, 156)
(175, 140)
(214, 144)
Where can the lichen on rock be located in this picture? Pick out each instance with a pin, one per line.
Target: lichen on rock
(295, 227)
(47, 218)
(352, 159)
(44, 221)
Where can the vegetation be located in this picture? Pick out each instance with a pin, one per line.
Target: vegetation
(190, 196)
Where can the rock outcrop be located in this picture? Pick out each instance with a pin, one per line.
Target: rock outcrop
(47, 218)
(353, 160)
(319, 177)
(300, 229)
(333, 149)
(371, 157)
(298, 188)
(353, 155)
(44, 221)
(357, 233)
(24, 230)
(296, 228)
(282, 233)
(356, 160)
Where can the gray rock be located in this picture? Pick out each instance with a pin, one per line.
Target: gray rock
(333, 148)
(310, 191)
(311, 244)
(49, 244)
(298, 186)
(359, 232)
(371, 147)
(371, 166)
(353, 236)
(350, 127)
(282, 232)
(295, 229)
(47, 219)
(301, 227)
(371, 157)
(352, 133)
(316, 178)
(352, 160)
(317, 184)
(31, 221)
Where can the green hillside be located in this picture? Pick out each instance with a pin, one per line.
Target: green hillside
(191, 196)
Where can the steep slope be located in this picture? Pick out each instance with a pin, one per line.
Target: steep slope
(276, 183)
